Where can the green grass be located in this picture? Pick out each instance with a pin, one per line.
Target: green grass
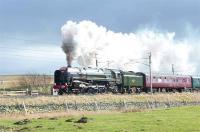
(183, 119)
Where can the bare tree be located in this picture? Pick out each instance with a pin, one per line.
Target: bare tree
(36, 82)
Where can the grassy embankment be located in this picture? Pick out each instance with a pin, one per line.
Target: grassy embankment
(38, 100)
(174, 119)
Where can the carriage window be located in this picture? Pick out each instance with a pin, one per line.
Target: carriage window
(184, 80)
(165, 79)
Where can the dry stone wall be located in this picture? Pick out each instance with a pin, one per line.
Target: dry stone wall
(95, 106)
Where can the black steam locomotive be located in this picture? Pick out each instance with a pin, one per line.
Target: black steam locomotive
(93, 80)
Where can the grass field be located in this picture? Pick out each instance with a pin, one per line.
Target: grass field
(15, 81)
(183, 119)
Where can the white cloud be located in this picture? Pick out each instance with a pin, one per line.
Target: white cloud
(122, 48)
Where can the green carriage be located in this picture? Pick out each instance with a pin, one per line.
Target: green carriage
(196, 83)
(132, 81)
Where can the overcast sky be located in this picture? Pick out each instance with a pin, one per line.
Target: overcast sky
(30, 36)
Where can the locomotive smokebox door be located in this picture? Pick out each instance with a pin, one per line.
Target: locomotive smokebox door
(55, 91)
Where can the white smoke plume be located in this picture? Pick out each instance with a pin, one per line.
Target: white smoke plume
(84, 40)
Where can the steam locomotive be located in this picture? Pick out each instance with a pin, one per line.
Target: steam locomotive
(100, 80)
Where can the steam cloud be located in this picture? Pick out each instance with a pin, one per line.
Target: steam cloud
(69, 44)
(128, 51)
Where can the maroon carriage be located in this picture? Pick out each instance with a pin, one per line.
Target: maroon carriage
(169, 82)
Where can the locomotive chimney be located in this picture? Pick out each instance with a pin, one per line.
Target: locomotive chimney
(69, 59)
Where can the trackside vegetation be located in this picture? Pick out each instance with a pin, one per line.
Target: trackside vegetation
(181, 119)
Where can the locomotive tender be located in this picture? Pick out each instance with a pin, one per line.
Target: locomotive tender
(98, 80)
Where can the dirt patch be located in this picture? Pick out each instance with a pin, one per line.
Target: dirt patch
(82, 120)
(23, 122)
(51, 128)
(24, 128)
(53, 118)
(158, 120)
(39, 126)
(69, 120)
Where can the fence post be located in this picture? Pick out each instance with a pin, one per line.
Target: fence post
(120, 105)
(150, 104)
(66, 106)
(155, 104)
(76, 107)
(124, 102)
(169, 105)
(147, 104)
(96, 106)
(24, 107)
